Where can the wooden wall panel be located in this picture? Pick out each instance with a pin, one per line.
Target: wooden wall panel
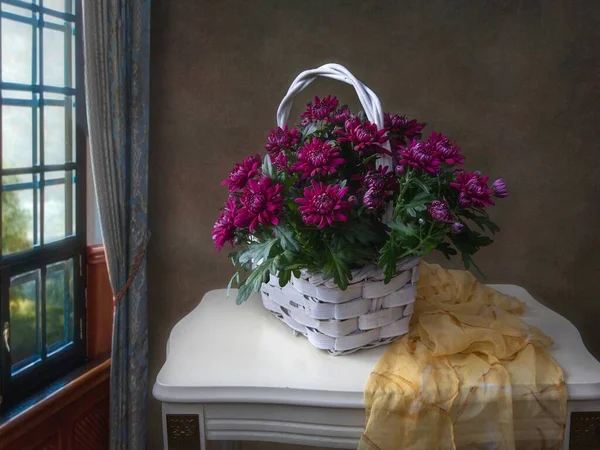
(90, 429)
(100, 308)
(74, 418)
(52, 443)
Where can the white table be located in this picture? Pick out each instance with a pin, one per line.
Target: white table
(236, 373)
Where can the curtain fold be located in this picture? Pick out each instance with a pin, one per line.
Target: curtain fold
(116, 54)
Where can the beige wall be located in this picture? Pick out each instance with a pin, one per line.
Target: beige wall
(516, 83)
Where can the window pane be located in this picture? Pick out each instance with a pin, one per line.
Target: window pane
(58, 205)
(59, 305)
(19, 214)
(17, 50)
(54, 57)
(54, 20)
(59, 114)
(57, 5)
(24, 95)
(17, 136)
(25, 315)
(16, 10)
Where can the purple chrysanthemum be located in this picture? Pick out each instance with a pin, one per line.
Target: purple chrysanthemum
(458, 228)
(340, 116)
(473, 189)
(281, 139)
(373, 199)
(323, 204)
(499, 188)
(447, 151)
(317, 157)
(365, 137)
(381, 179)
(320, 109)
(378, 186)
(440, 211)
(280, 161)
(419, 155)
(224, 228)
(242, 172)
(261, 203)
(402, 130)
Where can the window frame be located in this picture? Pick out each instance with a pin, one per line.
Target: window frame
(15, 387)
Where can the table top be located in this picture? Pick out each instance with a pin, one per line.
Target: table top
(222, 352)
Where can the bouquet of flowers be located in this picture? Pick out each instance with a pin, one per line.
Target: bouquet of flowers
(317, 200)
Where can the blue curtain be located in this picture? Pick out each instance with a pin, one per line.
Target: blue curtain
(117, 53)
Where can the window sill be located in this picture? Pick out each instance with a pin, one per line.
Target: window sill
(22, 418)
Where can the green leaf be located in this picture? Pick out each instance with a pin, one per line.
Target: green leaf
(446, 249)
(418, 203)
(286, 237)
(257, 251)
(254, 281)
(244, 291)
(309, 129)
(481, 220)
(466, 258)
(337, 269)
(268, 169)
(404, 229)
(284, 277)
(422, 185)
(388, 258)
(235, 278)
(489, 224)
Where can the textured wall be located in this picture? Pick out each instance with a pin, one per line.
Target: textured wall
(516, 83)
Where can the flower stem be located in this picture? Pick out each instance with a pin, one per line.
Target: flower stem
(400, 202)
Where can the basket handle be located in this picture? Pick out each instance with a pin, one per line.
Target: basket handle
(368, 99)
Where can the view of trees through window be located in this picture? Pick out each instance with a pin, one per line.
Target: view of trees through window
(42, 284)
(25, 295)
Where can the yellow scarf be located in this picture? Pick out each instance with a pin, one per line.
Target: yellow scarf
(468, 375)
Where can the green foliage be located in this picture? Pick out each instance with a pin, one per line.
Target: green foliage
(15, 222)
(25, 336)
(254, 281)
(468, 243)
(287, 240)
(24, 301)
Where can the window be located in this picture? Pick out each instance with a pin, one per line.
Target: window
(42, 165)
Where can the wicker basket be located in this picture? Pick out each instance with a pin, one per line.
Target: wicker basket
(369, 312)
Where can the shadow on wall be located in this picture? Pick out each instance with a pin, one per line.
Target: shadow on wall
(514, 83)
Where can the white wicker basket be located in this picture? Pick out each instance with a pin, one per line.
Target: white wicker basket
(369, 312)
